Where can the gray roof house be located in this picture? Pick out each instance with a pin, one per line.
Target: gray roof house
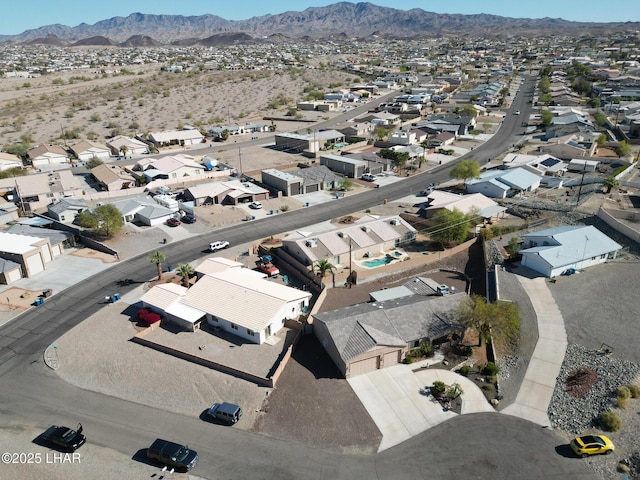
(370, 336)
(504, 183)
(556, 250)
(67, 209)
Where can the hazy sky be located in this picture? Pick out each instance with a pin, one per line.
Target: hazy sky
(21, 15)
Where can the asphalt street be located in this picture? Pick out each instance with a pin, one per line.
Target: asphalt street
(470, 446)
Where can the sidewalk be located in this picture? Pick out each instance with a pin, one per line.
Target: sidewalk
(536, 390)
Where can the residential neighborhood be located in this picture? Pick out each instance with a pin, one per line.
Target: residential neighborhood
(416, 231)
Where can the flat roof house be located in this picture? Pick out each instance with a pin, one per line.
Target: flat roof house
(504, 183)
(555, 250)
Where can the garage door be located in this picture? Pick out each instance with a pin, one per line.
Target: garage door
(312, 188)
(391, 358)
(56, 249)
(13, 275)
(363, 366)
(46, 253)
(34, 264)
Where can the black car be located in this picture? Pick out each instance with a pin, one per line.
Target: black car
(172, 454)
(189, 218)
(64, 437)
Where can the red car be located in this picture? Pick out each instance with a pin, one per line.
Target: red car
(268, 268)
(173, 222)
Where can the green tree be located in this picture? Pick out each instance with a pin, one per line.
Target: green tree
(623, 149)
(346, 183)
(382, 132)
(611, 182)
(93, 162)
(547, 117)
(124, 149)
(105, 220)
(224, 135)
(425, 144)
(500, 320)
(513, 247)
(185, 270)
(600, 118)
(469, 111)
(157, 258)
(544, 85)
(602, 139)
(449, 227)
(323, 267)
(545, 99)
(465, 170)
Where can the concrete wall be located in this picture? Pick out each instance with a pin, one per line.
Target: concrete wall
(614, 217)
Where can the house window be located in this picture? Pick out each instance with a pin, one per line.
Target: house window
(174, 175)
(604, 255)
(62, 218)
(250, 332)
(215, 319)
(234, 326)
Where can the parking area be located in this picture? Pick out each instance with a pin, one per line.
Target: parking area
(608, 292)
(399, 401)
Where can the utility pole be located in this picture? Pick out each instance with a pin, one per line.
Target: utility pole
(584, 170)
(240, 159)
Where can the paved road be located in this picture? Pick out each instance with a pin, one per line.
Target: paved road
(472, 446)
(478, 446)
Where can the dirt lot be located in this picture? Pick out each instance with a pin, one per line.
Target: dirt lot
(99, 106)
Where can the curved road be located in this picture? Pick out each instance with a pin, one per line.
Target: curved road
(471, 446)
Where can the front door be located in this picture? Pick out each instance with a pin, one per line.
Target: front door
(267, 331)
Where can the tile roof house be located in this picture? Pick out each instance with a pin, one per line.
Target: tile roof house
(370, 336)
(169, 167)
(8, 160)
(133, 145)
(113, 177)
(366, 237)
(176, 137)
(85, 150)
(555, 250)
(44, 155)
(36, 191)
(504, 183)
(231, 192)
(246, 303)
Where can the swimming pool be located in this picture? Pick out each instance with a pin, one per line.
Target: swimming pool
(378, 262)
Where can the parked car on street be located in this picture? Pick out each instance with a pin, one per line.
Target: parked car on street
(228, 413)
(215, 246)
(64, 438)
(173, 222)
(592, 445)
(172, 454)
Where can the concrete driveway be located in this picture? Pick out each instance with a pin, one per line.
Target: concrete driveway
(400, 404)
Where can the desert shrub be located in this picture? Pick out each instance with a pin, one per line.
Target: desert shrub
(490, 368)
(634, 390)
(284, 208)
(408, 359)
(467, 350)
(488, 387)
(623, 392)
(609, 421)
(464, 370)
(426, 350)
(438, 388)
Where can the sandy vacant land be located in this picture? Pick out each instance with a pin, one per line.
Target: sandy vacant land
(95, 105)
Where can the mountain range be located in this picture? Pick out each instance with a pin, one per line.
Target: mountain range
(340, 21)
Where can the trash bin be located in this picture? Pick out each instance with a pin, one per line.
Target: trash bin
(170, 268)
(47, 293)
(39, 301)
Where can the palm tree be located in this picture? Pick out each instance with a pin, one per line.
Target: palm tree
(185, 270)
(322, 267)
(157, 258)
(124, 149)
(424, 144)
(611, 182)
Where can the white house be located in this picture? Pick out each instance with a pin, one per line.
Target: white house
(133, 146)
(246, 303)
(504, 183)
(176, 137)
(45, 155)
(555, 250)
(8, 160)
(85, 150)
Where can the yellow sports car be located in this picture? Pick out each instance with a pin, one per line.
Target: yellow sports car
(592, 445)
